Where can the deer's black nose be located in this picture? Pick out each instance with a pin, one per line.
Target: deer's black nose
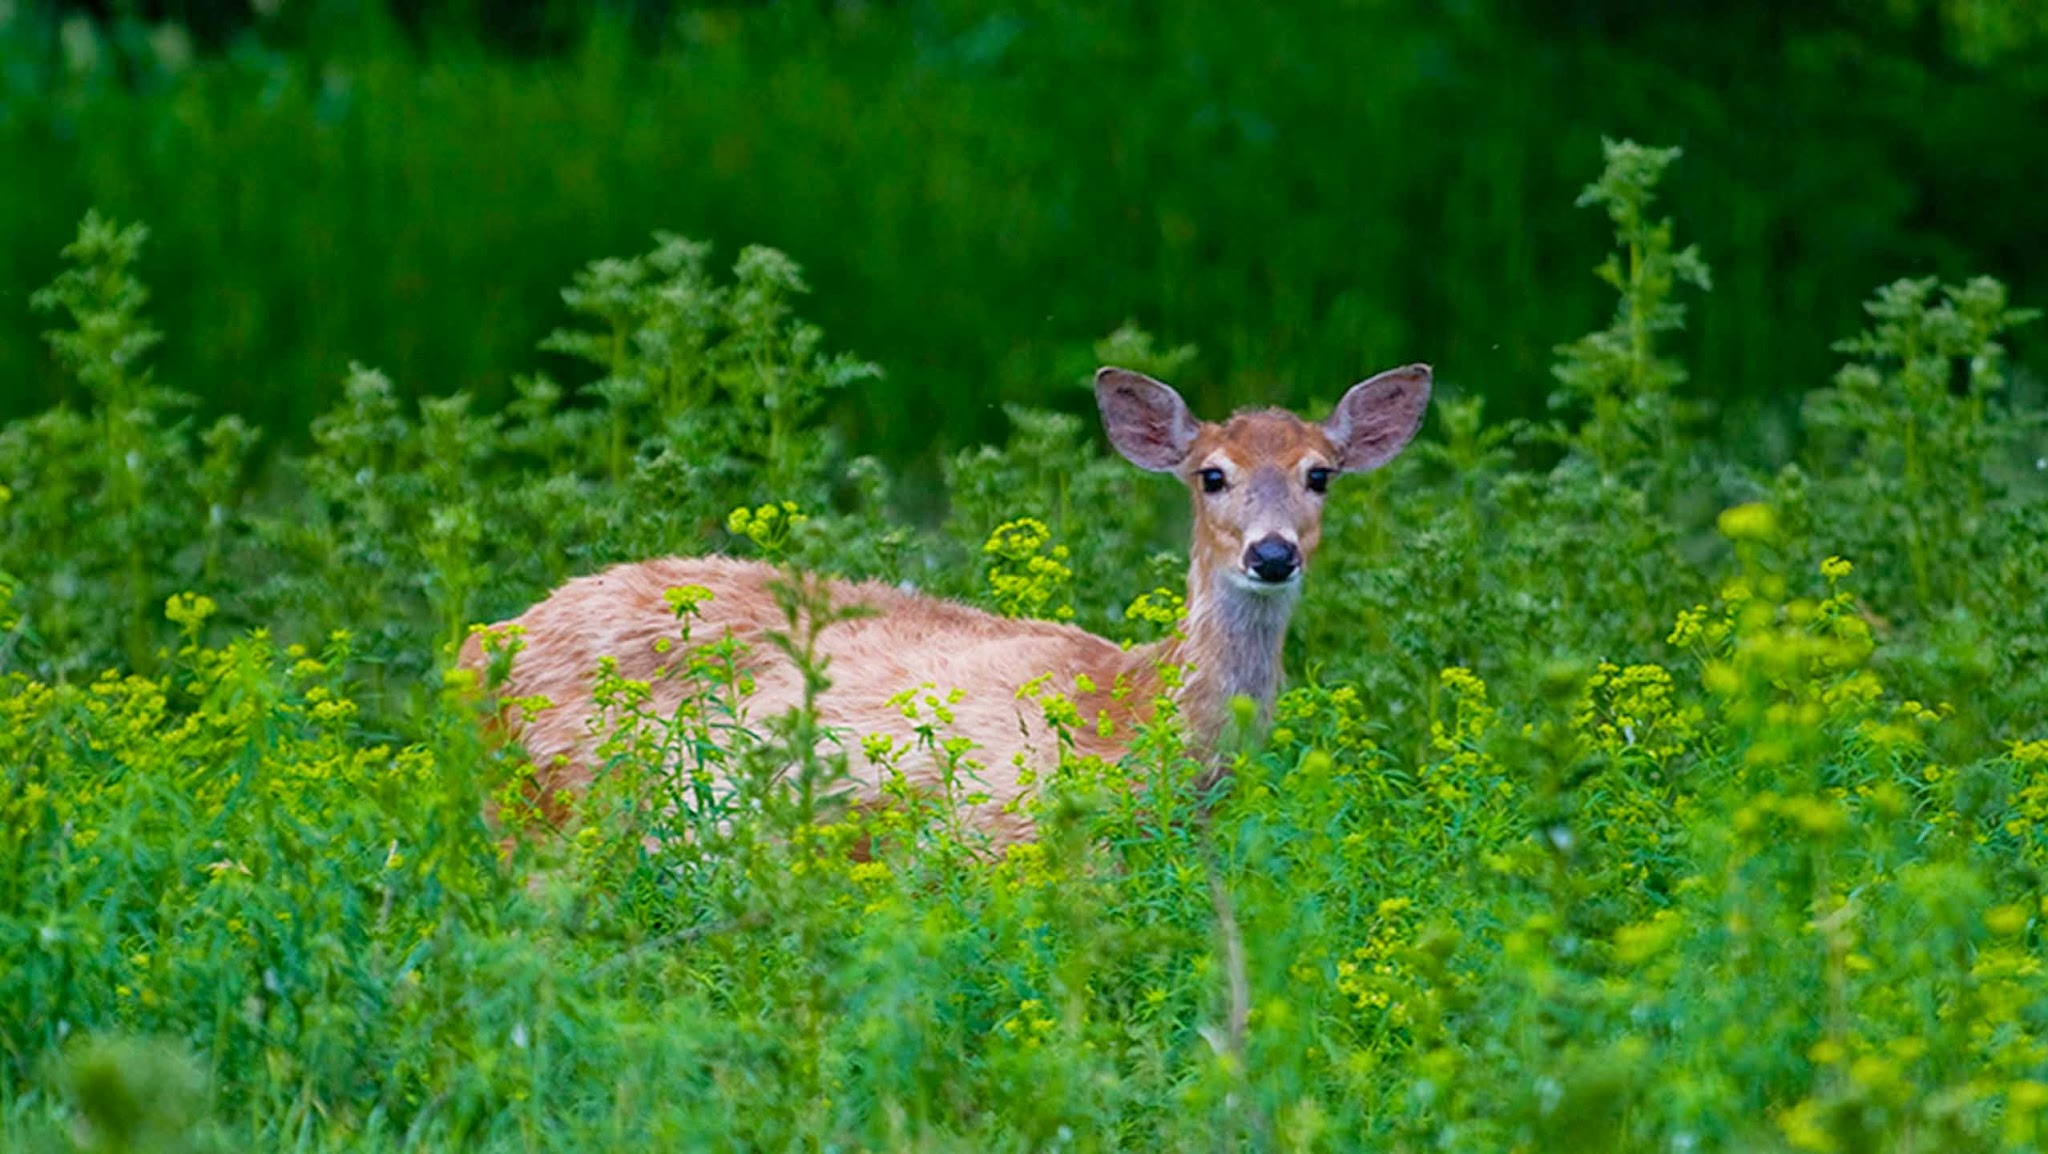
(1272, 558)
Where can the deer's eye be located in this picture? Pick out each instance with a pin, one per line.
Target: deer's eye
(1212, 480)
(1318, 480)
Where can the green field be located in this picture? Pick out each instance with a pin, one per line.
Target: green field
(980, 189)
(1649, 776)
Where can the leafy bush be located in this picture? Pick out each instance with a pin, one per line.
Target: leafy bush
(1624, 799)
(980, 187)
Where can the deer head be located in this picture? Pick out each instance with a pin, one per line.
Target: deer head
(1258, 479)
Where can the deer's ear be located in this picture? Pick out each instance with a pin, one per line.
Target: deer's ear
(1376, 419)
(1146, 420)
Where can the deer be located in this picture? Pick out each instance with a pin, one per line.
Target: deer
(1257, 481)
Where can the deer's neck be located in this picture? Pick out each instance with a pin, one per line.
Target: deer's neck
(1231, 638)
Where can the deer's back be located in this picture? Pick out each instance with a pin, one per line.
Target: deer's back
(905, 640)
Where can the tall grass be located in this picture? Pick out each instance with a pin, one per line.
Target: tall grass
(1642, 801)
(980, 191)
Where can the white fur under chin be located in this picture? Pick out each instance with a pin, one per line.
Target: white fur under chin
(1246, 583)
(1245, 619)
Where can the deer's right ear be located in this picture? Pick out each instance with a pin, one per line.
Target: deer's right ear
(1145, 419)
(1378, 417)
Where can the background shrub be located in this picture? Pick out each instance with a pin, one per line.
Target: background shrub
(981, 190)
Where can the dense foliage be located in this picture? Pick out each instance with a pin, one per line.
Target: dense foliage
(1638, 801)
(980, 188)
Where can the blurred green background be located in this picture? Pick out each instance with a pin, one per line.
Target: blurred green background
(980, 190)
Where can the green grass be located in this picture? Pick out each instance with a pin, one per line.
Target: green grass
(981, 190)
(1624, 797)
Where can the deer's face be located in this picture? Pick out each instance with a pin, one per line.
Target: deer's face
(1258, 480)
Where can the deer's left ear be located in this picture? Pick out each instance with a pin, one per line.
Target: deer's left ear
(1376, 419)
(1145, 419)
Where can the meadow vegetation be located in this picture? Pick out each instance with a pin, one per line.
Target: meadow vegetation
(982, 188)
(1624, 797)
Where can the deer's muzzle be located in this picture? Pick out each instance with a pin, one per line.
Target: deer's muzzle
(1272, 558)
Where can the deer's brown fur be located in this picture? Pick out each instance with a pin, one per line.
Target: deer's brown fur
(1230, 639)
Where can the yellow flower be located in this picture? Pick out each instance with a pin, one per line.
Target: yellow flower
(1804, 1128)
(1473, 715)
(1162, 607)
(1027, 574)
(189, 610)
(1690, 628)
(1752, 522)
(2006, 921)
(2027, 1094)
(1637, 943)
(684, 600)
(768, 526)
